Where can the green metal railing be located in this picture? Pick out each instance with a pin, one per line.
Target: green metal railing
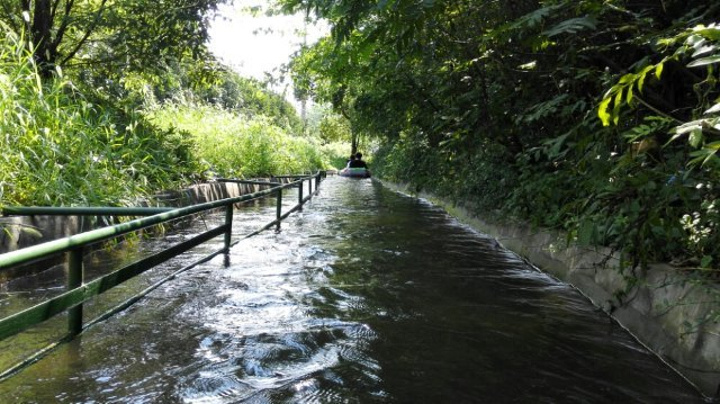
(78, 291)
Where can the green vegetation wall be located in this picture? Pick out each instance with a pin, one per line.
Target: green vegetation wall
(84, 138)
(238, 146)
(600, 118)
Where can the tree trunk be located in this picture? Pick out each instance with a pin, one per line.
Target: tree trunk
(41, 30)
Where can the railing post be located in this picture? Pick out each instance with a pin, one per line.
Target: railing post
(279, 208)
(300, 194)
(73, 280)
(310, 186)
(228, 226)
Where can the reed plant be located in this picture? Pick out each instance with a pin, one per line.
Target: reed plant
(235, 145)
(66, 146)
(59, 148)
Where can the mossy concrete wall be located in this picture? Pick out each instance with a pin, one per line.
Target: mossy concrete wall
(666, 310)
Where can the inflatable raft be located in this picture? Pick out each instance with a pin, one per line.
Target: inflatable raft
(355, 172)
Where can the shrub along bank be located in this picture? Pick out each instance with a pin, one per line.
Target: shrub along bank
(62, 147)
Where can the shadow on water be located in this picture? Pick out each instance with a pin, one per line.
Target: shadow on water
(365, 296)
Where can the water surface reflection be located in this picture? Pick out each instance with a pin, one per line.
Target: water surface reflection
(365, 296)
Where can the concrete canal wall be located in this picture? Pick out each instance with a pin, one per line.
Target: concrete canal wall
(665, 309)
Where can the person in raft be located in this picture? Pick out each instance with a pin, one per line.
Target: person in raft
(356, 161)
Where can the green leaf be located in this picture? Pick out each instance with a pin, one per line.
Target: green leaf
(712, 32)
(659, 70)
(703, 50)
(534, 18)
(696, 137)
(715, 108)
(706, 261)
(643, 73)
(528, 66)
(703, 156)
(616, 107)
(555, 145)
(688, 127)
(627, 78)
(603, 111)
(713, 146)
(572, 26)
(705, 61)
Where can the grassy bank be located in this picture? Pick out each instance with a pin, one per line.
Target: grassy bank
(61, 147)
(239, 146)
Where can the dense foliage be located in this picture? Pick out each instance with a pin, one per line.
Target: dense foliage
(68, 141)
(61, 147)
(235, 145)
(212, 84)
(237, 126)
(333, 132)
(599, 118)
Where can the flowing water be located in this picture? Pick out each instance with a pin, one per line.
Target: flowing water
(366, 296)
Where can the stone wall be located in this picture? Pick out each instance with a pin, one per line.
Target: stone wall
(662, 307)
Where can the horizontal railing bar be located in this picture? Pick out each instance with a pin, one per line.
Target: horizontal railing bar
(33, 358)
(294, 176)
(250, 182)
(122, 306)
(22, 320)
(82, 211)
(40, 251)
(18, 322)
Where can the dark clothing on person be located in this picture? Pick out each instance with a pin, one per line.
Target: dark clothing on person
(357, 164)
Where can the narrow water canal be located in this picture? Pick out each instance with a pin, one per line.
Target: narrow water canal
(366, 296)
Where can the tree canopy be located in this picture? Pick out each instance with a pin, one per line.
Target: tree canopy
(110, 36)
(597, 117)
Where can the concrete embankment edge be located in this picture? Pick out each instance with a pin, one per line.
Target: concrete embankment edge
(665, 309)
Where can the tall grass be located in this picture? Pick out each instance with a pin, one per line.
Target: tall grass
(65, 147)
(58, 148)
(235, 145)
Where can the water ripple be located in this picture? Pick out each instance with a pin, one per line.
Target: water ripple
(365, 296)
